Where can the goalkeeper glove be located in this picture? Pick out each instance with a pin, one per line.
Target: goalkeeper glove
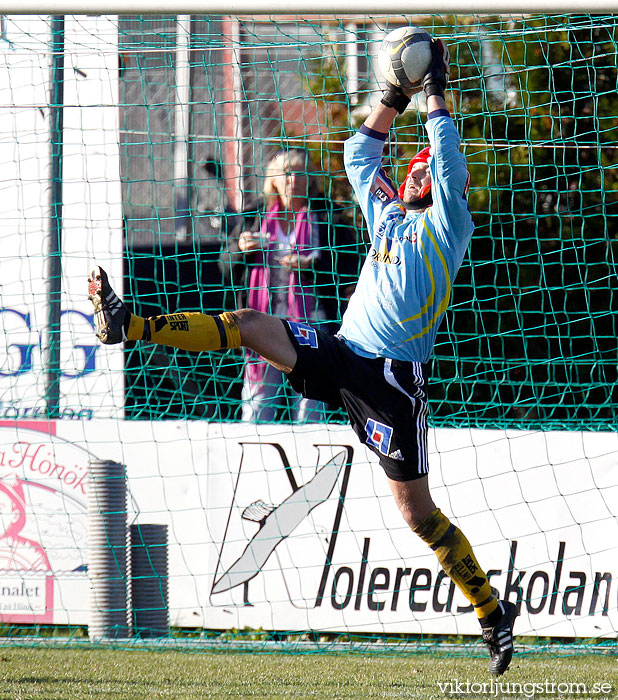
(395, 97)
(436, 78)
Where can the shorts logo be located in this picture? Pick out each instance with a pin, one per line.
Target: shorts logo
(305, 335)
(379, 435)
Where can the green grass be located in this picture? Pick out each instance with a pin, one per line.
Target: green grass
(113, 674)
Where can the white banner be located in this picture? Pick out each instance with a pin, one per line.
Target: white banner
(294, 528)
(91, 214)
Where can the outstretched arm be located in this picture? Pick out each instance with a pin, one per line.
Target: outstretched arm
(435, 102)
(382, 117)
(363, 151)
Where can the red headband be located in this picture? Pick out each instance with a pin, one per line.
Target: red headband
(420, 157)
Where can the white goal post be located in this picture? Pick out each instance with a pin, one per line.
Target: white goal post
(304, 7)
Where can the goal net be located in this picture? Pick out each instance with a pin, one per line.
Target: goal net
(143, 144)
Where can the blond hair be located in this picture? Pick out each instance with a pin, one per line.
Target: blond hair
(283, 162)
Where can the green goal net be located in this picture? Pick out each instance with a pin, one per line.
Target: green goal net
(530, 339)
(144, 144)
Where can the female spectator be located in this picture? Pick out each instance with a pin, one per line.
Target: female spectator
(281, 258)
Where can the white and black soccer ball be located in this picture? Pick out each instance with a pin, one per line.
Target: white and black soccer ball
(404, 57)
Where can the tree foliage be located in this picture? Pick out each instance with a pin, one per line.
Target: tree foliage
(530, 339)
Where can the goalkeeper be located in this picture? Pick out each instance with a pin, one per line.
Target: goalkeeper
(375, 366)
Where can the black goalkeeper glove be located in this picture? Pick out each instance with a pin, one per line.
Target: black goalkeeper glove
(395, 97)
(436, 79)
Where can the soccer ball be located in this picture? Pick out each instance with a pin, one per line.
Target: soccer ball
(404, 57)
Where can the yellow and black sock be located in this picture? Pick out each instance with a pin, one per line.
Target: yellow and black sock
(460, 565)
(195, 332)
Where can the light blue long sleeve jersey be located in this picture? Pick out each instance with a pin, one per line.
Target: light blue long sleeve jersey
(405, 285)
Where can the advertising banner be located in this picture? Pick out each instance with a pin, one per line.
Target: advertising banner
(91, 214)
(43, 525)
(294, 527)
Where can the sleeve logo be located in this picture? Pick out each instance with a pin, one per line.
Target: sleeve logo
(382, 189)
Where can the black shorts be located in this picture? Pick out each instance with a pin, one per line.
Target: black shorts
(386, 400)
